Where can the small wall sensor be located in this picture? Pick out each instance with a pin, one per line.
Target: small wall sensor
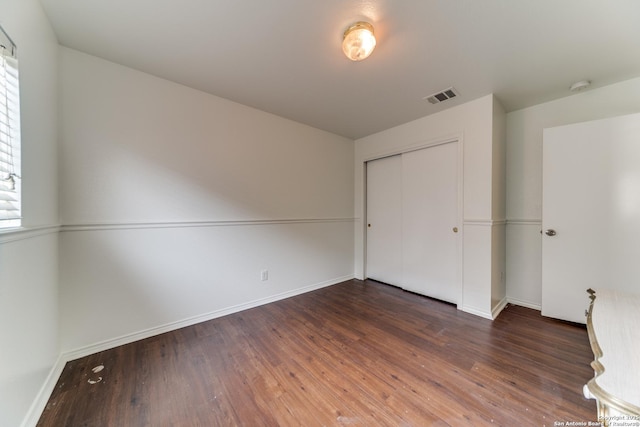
(579, 85)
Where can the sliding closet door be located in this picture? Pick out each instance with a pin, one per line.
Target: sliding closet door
(384, 220)
(429, 218)
(412, 214)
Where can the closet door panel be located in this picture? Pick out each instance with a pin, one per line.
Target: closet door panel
(384, 220)
(429, 216)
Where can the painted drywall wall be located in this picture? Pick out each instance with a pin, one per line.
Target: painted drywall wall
(499, 208)
(29, 257)
(28, 322)
(174, 201)
(524, 176)
(472, 123)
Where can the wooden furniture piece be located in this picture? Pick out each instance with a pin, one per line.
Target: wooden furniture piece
(613, 323)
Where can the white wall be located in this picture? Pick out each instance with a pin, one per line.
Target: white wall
(173, 201)
(499, 208)
(29, 258)
(524, 176)
(472, 123)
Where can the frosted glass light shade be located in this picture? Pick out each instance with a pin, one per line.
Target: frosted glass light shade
(358, 41)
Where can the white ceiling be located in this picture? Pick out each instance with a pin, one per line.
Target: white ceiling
(285, 56)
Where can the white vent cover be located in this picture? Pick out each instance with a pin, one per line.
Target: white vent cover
(442, 95)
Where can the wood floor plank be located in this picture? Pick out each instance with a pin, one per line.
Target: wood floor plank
(357, 353)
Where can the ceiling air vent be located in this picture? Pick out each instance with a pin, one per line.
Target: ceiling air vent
(441, 96)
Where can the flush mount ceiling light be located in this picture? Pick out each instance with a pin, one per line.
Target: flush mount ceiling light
(358, 41)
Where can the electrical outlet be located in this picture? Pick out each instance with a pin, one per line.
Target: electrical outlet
(264, 275)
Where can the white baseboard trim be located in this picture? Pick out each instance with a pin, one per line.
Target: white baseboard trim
(147, 333)
(498, 308)
(477, 312)
(523, 303)
(40, 402)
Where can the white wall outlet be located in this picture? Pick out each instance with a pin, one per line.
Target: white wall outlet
(264, 275)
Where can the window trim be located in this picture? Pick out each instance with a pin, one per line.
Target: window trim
(10, 140)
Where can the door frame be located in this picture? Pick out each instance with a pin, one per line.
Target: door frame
(455, 139)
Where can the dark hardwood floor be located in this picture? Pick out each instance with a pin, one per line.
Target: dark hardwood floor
(357, 354)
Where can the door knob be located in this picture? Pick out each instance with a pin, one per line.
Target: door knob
(369, 225)
(455, 229)
(550, 232)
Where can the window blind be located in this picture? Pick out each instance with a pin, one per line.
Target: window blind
(10, 183)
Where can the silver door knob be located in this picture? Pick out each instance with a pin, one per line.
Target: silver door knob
(550, 232)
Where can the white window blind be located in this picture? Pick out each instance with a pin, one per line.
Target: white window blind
(10, 183)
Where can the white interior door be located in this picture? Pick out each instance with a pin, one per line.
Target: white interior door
(591, 201)
(429, 217)
(384, 220)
